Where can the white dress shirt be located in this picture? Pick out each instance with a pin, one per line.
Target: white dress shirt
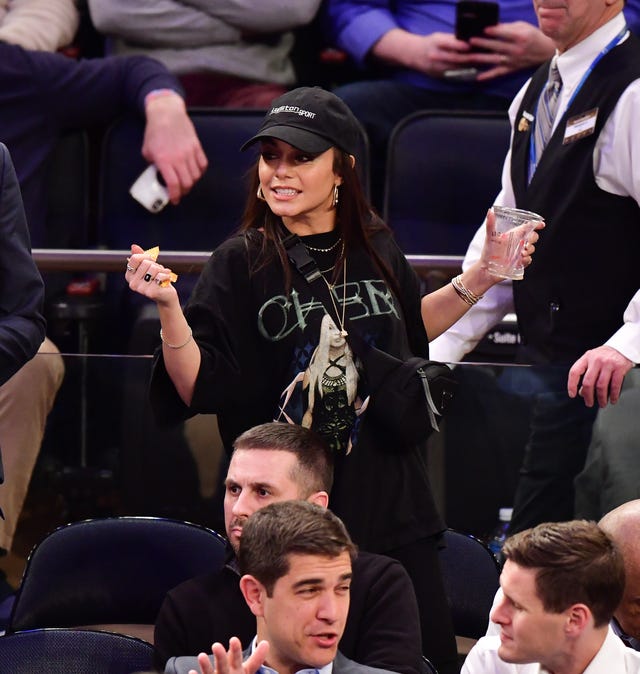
(612, 658)
(616, 163)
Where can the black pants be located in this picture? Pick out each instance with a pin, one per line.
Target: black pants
(420, 559)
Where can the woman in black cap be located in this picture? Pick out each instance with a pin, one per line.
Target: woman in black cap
(244, 346)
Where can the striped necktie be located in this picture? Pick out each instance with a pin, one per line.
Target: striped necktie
(547, 107)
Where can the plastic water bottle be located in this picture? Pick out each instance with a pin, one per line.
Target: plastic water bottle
(499, 535)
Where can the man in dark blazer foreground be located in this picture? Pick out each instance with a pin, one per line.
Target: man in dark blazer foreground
(22, 322)
(295, 558)
(275, 462)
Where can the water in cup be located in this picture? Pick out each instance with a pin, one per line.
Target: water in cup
(512, 230)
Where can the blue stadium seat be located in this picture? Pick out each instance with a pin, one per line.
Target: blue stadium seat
(67, 184)
(471, 577)
(443, 173)
(111, 571)
(205, 216)
(68, 651)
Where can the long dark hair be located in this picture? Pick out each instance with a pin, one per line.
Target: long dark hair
(355, 219)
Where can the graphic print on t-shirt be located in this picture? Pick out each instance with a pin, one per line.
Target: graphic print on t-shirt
(325, 390)
(329, 390)
(331, 383)
(284, 314)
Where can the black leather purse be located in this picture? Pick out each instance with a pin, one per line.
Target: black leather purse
(408, 397)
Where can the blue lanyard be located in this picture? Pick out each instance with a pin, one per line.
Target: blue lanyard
(614, 43)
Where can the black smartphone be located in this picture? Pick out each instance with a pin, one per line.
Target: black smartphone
(473, 16)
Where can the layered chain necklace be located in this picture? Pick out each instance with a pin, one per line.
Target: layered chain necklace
(331, 286)
(333, 246)
(340, 315)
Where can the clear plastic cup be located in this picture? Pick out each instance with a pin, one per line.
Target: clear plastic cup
(513, 228)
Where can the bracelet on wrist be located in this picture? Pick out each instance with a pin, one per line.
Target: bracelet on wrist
(159, 93)
(176, 346)
(463, 292)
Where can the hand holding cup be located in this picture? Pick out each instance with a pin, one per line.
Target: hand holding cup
(507, 241)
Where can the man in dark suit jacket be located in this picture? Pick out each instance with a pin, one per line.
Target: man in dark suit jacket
(274, 462)
(22, 322)
(295, 558)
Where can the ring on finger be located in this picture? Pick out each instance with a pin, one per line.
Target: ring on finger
(147, 277)
(130, 268)
(158, 281)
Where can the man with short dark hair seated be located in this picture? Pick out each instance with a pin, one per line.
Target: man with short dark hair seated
(296, 560)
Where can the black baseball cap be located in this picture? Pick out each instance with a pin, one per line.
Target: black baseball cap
(311, 119)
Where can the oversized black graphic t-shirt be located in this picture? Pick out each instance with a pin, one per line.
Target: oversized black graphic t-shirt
(268, 354)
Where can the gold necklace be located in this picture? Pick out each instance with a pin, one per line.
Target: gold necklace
(333, 246)
(331, 286)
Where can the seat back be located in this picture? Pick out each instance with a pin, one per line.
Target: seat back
(66, 651)
(471, 577)
(427, 667)
(111, 571)
(67, 188)
(443, 173)
(205, 216)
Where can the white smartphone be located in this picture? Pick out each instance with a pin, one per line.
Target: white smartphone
(149, 191)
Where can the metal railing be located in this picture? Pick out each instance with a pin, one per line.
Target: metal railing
(192, 262)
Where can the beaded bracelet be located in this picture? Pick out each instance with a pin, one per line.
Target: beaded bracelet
(176, 346)
(463, 292)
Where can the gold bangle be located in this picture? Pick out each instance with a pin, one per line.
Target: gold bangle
(463, 292)
(176, 346)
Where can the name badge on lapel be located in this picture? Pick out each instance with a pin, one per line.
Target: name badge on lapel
(580, 126)
(525, 121)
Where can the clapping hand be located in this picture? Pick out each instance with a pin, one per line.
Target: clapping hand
(230, 661)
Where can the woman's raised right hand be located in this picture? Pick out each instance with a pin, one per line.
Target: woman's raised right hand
(149, 278)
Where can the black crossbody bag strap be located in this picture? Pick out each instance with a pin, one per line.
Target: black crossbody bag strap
(299, 257)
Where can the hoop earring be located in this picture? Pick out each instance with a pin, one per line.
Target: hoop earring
(336, 196)
(259, 193)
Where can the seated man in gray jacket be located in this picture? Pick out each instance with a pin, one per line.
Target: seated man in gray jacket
(276, 462)
(295, 558)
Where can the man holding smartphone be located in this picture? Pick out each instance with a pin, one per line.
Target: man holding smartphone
(415, 62)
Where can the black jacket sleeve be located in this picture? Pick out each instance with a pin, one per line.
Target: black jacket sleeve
(383, 626)
(200, 611)
(22, 324)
